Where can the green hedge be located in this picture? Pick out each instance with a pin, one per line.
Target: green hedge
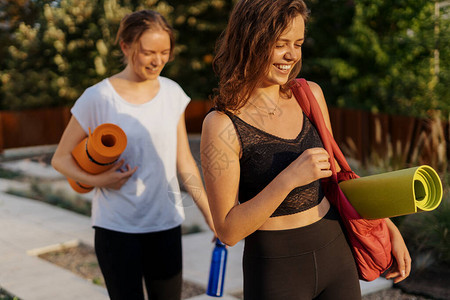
(377, 55)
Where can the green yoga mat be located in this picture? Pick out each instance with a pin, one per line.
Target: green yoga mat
(395, 193)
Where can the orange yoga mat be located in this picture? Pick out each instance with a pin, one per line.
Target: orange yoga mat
(98, 152)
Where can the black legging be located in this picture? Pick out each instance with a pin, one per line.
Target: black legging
(311, 262)
(125, 259)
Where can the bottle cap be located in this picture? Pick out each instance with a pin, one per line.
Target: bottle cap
(219, 243)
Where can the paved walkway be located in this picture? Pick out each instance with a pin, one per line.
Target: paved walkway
(29, 227)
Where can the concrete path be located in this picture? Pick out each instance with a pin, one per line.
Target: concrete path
(29, 228)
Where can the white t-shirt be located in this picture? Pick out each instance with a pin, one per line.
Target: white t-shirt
(150, 200)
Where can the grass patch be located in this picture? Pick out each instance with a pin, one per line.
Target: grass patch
(10, 174)
(195, 228)
(4, 295)
(47, 194)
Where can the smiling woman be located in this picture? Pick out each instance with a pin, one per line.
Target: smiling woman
(240, 66)
(263, 162)
(287, 52)
(137, 208)
(150, 55)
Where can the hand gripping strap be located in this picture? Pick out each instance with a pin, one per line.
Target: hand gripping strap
(311, 108)
(369, 239)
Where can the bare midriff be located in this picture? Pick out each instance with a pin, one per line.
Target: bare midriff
(300, 219)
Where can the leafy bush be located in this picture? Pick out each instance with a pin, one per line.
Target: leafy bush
(71, 46)
(9, 174)
(381, 55)
(4, 295)
(428, 235)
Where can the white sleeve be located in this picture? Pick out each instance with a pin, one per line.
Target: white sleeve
(176, 97)
(85, 111)
(183, 101)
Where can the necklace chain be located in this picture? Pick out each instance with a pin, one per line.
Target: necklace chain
(270, 113)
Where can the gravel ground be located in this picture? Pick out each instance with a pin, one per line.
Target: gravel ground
(388, 294)
(393, 294)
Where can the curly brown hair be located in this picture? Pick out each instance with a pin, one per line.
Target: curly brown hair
(244, 49)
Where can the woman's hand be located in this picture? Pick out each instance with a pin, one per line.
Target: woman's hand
(401, 267)
(311, 165)
(115, 177)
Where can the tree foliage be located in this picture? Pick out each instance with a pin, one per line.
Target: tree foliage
(70, 46)
(379, 55)
(67, 49)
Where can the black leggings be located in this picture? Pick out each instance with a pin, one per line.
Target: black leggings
(126, 259)
(311, 262)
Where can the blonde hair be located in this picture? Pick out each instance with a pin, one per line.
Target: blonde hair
(133, 25)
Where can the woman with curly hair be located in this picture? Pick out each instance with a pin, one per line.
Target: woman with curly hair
(263, 160)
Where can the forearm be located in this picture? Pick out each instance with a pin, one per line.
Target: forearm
(66, 165)
(113, 178)
(393, 230)
(194, 187)
(222, 168)
(402, 265)
(192, 182)
(244, 219)
(63, 161)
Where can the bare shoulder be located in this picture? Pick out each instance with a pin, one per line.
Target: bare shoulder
(216, 118)
(317, 91)
(315, 88)
(216, 122)
(219, 136)
(218, 126)
(313, 85)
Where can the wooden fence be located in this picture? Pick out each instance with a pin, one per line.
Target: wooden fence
(32, 127)
(367, 137)
(398, 140)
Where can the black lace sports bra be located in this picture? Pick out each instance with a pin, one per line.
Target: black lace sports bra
(264, 156)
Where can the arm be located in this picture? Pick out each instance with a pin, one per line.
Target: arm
(402, 263)
(64, 163)
(189, 173)
(220, 162)
(318, 94)
(402, 266)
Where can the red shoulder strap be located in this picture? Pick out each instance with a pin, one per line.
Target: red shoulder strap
(311, 108)
(300, 95)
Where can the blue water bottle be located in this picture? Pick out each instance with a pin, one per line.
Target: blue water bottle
(217, 270)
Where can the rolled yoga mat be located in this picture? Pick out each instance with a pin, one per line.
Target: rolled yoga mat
(98, 152)
(394, 193)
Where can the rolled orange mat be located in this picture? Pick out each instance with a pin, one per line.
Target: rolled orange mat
(98, 152)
